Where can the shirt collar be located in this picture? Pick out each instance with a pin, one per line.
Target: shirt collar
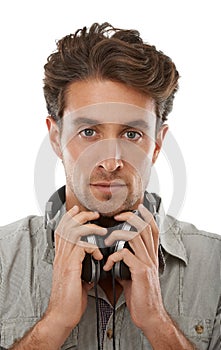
(170, 237)
(51, 226)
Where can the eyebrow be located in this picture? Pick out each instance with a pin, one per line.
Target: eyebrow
(140, 123)
(84, 120)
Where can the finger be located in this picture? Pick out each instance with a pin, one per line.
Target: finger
(85, 216)
(73, 261)
(148, 217)
(74, 218)
(142, 249)
(62, 246)
(123, 255)
(143, 246)
(80, 252)
(144, 228)
(133, 219)
(73, 211)
(74, 234)
(69, 236)
(120, 235)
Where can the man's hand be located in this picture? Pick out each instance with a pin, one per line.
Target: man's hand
(68, 298)
(143, 292)
(69, 293)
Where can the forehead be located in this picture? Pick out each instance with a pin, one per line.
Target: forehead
(108, 96)
(111, 112)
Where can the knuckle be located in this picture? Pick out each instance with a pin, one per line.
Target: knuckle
(148, 227)
(143, 270)
(124, 251)
(134, 234)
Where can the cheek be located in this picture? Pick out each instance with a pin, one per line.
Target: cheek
(71, 149)
(139, 157)
(140, 163)
(78, 162)
(149, 147)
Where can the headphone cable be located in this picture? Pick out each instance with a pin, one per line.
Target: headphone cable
(97, 305)
(114, 306)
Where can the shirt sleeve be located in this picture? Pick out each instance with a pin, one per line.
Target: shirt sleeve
(215, 343)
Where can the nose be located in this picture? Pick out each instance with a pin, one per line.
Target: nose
(111, 164)
(112, 157)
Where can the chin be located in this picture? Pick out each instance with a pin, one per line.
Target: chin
(110, 214)
(119, 210)
(110, 207)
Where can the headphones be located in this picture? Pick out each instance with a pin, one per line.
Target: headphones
(92, 270)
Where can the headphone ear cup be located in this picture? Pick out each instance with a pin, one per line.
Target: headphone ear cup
(89, 266)
(121, 270)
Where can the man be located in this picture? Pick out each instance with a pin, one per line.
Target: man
(108, 270)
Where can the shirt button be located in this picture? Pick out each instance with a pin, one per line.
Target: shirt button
(109, 333)
(199, 329)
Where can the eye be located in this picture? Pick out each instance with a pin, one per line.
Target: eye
(133, 135)
(88, 132)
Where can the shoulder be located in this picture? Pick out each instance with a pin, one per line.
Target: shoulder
(188, 229)
(29, 225)
(197, 241)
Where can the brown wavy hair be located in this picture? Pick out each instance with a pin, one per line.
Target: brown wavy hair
(107, 53)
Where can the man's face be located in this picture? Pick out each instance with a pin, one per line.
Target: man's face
(107, 145)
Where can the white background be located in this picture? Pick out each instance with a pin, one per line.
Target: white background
(187, 31)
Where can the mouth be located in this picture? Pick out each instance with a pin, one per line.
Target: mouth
(108, 187)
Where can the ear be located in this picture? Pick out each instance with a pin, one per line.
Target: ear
(54, 135)
(159, 141)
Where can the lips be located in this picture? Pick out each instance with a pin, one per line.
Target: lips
(115, 183)
(108, 186)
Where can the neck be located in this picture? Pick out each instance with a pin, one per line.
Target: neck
(107, 287)
(105, 221)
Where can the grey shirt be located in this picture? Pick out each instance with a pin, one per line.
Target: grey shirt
(190, 284)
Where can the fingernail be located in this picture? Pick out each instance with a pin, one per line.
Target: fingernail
(105, 267)
(117, 216)
(141, 206)
(107, 242)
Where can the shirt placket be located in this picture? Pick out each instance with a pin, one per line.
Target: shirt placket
(108, 334)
